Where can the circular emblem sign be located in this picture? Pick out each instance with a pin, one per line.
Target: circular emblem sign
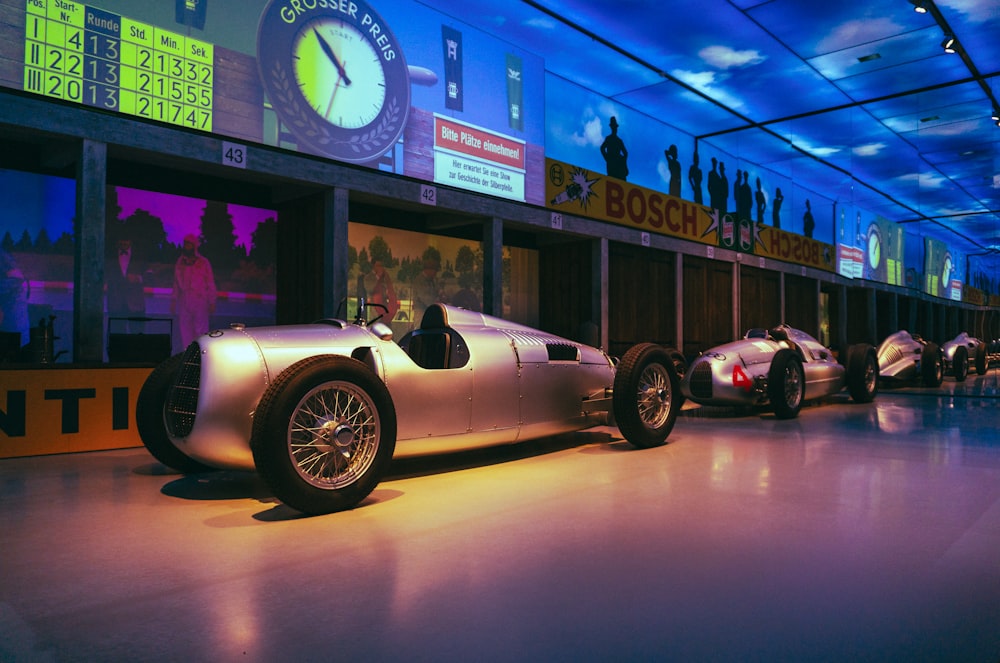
(335, 76)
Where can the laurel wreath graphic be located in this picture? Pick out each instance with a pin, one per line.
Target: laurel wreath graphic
(302, 119)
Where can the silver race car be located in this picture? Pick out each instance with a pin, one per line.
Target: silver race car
(964, 352)
(781, 366)
(319, 410)
(905, 358)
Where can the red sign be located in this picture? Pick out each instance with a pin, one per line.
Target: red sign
(478, 143)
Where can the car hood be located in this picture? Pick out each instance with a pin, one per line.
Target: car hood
(748, 350)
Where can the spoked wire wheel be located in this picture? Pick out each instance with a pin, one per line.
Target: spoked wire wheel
(653, 396)
(646, 395)
(324, 434)
(333, 435)
(786, 384)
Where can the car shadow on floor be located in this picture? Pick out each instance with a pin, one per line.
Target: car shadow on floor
(407, 468)
(235, 485)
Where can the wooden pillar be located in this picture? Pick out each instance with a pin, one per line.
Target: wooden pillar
(493, 267)
(679, 298)
(871, 303)
(737, 299)
(599, 288)
(781, 296)
(88, 266)
(842, 316)
(894, 314)
(335, 262)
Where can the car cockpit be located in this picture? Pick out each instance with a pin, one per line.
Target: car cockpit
(435, 345)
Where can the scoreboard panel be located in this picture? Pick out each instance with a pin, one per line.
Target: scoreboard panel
(90, 56)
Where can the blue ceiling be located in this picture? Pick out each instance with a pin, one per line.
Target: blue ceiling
(854, 97)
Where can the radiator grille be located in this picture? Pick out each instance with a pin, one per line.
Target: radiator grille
(701, 381)
(182, 399)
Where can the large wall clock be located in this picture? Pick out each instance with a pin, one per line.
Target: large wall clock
(335, 76)
(874, 258)
(946, 270)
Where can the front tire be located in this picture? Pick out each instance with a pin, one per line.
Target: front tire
(862, 373)
(646, 396)
(931, 365)
(149, 419)
(786, 384)
(324, 434)
(960, 364)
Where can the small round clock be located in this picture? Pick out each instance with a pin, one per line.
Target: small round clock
(874, 250)
(946, 269)
(337, 79)
(873, 254)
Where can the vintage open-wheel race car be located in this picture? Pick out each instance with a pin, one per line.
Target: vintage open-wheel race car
(964, 353)
(906, 358)
(782, 367)
(319, 410)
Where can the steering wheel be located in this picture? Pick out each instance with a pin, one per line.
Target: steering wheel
(361, 320)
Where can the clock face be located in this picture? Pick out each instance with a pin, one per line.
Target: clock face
(339, 73)
(874, 250)
(335, 76)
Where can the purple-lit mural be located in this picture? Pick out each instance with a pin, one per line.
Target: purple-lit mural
(36, 260)
(230, 265)
(145, 238)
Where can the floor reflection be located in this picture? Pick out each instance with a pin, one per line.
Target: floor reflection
(853, 532)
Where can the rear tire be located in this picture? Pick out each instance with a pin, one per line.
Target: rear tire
(862, 373)
(680, 367)
(931, 365)
(786, 384)
(646, 396)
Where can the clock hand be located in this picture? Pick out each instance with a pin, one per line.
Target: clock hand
(333, 96)
(333, 58)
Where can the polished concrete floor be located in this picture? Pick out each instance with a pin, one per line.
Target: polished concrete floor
(853, 533)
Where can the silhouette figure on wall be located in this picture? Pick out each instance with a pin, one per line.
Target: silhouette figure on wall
(761, 199)
(675, 171)
(723, 190)
(745, 199)
(714, 182)
(808, 225)
(736, 192)
(614, 152)
(776, 208)
(694, 178)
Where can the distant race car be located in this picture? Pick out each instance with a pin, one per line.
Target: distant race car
(905, 358)
(783, 367)
(319, 410)
(964, 352)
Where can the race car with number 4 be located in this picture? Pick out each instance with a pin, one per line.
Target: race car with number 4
(319, 410)
(782, 367)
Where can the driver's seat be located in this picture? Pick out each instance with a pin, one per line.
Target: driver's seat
(430, 346)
